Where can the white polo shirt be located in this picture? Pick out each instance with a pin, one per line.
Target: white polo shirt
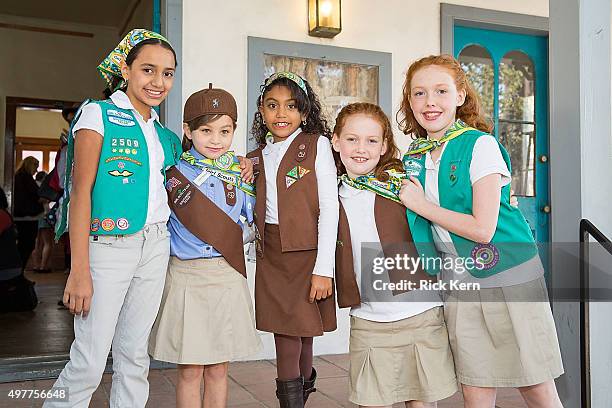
(91, 118)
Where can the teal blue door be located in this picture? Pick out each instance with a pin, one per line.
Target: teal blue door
(510, 72)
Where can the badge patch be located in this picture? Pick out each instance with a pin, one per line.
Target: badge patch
(117, 173)
(485, 255)
(95, 225)
(255, 160)
(124, 158)
(173, 182)
(121, 121)
(108, 224)
(224, 161)
(295, 174)
(289, 181)
(112, 112)
(122, 224)
(412, 167)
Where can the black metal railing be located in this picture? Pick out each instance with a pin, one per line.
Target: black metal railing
(587, 229)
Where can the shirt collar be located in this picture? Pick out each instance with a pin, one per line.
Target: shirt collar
(121, 100)
(346, 191)
(270, 145)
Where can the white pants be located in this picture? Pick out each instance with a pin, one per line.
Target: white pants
(128, 274)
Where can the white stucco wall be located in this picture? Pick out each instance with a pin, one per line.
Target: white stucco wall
(215, 50)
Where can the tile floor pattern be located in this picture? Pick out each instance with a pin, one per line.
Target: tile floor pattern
(251, 385)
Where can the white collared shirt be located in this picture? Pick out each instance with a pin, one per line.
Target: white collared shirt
(91, 118)
(359, 208)
(327, 186)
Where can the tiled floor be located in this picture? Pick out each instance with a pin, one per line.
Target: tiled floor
(251, 384)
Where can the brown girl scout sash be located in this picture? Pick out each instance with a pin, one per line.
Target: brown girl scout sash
(204, 219)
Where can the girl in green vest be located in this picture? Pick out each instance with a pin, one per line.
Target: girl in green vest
(459, 211)
(118, 153)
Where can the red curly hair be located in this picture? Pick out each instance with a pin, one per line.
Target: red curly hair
(470, 112)
(389, 160)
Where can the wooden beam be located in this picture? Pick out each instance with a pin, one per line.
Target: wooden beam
(46, 30)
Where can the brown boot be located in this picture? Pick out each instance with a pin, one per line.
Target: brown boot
(309, 387)
(290, 393)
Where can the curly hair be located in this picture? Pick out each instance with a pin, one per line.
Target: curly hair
(389, 160)
(307, 105)
(470, 112)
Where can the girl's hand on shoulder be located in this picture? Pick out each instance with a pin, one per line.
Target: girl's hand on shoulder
(78, 291)
(246, 166)
(413, 195)
(320, 288)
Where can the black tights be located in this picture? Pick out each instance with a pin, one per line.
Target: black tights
(293, 356)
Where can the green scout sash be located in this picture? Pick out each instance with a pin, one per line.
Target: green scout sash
(389, 189)
(226, 168)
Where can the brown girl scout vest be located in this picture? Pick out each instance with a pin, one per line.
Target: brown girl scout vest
(204, 219)
(297, 195)
(395, 238)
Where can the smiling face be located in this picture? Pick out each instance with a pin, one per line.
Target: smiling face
(280, 113)
(150, 77)
(360, 144)
(213, 138)
(434, 99)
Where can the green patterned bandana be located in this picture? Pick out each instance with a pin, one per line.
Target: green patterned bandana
(388, 189)
(226, 168)
(423, 145)
(111, 66)
(299, 81)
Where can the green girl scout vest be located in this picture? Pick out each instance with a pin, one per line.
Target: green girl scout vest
(120, 195)
(511, 245)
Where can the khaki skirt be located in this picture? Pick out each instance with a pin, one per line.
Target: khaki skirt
(500, 338)
(282, 289)
(406, 360)
(206, 315)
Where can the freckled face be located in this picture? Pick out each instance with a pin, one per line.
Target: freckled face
(434, 99)
(360, 144)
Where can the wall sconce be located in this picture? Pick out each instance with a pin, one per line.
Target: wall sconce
(324, 18)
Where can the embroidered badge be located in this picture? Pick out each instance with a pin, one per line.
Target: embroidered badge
(122, 224)
(224, 161)
(255, 160)
(108, 224)
(121, 121)
(121, 165)
(231, 195)
(112, 112)
(129, 159)
(295, 174)
(289, 181)
(215, 103)
(171, 183)
(486, 256)
(412, 167)
(95, 225)
(117, 173)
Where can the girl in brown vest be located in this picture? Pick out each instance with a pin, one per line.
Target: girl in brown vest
(399, 349)
(296, 214)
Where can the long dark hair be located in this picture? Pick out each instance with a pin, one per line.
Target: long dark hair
(307, 105)
(131, 57)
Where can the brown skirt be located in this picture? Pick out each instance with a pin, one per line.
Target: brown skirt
(282, 289)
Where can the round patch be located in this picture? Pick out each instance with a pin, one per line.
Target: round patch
(301, 154)
(302, 146)
(122, 224)
(108, 224)
(224, 161)
(230, 187)
(133, 151)
(95, 225)
(485, 255)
